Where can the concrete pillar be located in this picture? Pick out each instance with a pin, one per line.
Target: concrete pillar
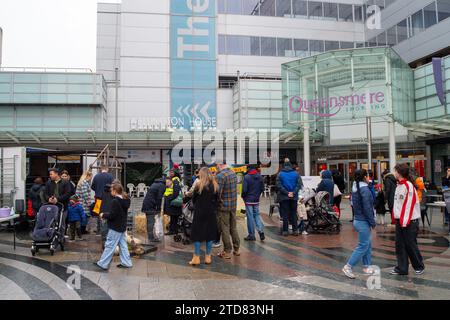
(392, 148)
(307, 149)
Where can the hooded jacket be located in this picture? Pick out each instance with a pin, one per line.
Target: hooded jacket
(363, 203)
(35, 194)
(76, 212)
(327, 185)
(390, 184)
(406, 203)
(153, 198)
(252, 187)
(117, 217)
(288, 180)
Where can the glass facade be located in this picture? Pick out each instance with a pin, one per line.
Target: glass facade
(433, 13)
(331, 89)
(304, 9)
(52, 102)
(257, 104)
(281, 47)
(427, 102)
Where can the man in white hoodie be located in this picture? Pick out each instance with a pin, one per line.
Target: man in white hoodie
(407, 217)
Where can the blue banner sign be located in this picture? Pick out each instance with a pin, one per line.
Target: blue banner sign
(193, 63)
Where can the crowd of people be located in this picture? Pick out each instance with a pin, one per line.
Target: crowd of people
(214, 197)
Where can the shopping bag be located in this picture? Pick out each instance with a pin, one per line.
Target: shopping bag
(158, 229)
(140, 224)
(178, 201)
(97, 206)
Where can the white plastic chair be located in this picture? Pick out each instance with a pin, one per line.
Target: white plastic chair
(131, 189)
(140, 189)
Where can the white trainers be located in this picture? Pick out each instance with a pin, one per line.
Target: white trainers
(305, 233)
(347, 270)
(217, 245)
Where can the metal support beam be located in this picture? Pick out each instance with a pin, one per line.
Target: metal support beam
(12, 137)
(36, 138)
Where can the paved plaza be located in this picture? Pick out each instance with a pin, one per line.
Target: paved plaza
(304, 267)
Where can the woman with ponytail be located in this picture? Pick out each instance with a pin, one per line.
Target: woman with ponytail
(364, 222)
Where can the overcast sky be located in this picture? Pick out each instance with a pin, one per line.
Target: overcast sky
(49, 33)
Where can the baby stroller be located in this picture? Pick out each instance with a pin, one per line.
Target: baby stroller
(49, 229)
(321, 216)
(185, 223)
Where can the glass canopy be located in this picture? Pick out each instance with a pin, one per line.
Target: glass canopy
(343, 86)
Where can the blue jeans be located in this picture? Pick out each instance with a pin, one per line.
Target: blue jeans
(113, 239)
(253, 218)
(301, 225)
(364, 248)
(198, 244)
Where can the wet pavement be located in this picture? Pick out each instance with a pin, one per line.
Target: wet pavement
(304, 267)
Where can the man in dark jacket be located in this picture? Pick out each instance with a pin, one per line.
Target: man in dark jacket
(390, 184)
(56, 189)
(252, 188)
(338, 180)
(289, 183)
(117, 224)
(152, 205)
(100, 180)
(327, 184)
(105, 208)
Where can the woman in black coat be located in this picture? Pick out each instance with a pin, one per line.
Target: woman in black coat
(204, 224)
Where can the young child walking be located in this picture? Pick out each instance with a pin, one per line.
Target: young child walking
(117, 225)
(302, 216)
(76, 216)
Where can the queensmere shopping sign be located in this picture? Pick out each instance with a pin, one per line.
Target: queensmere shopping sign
(193, 63)
(335, 106)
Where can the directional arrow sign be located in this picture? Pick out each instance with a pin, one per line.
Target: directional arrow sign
(204, 110)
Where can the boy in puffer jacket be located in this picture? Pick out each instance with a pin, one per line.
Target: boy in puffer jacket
(76, 217)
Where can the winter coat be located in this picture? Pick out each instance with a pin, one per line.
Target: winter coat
(288, 180)
(380, 203)
(338, 179)
(390, 184)
(363, 203)
(252, 187)
(36, 194)
(204, 224)
(327, 185)
(445, 181)
(170, 195)
(83, 191)
(76, 213)
(153, 198)
(117, 217)
(406, 203)
(61, 190)
(100, 181)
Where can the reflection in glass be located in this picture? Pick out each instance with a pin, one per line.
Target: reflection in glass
(392, 36)
(301, 48)
(359, 13)
(250, 7)
(346, 12)
(267, 8)
(284, 8)
(417, 22)
(347, 45)
(330, 11)
(300, 8)
(315, 9)
(268, 46)
(285, 47)
(381, 39)
(443, 7)
(316, 46)
(429, 15)
(234, 45)
(251, 46)
(402, 31)
(331, 45)
(222, 45)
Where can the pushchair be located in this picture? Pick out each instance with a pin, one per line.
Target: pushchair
(49, 229)
(185, 223)
(321, 216)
